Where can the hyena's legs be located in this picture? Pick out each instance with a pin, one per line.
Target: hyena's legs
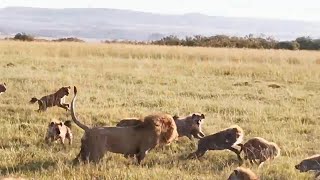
(237, 152)
(69, 137)
(64, 106)
(42, 106)
(260, 165)
(62, 140)
(48, 138)
(197, 154)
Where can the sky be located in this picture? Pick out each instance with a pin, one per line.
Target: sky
(307, 10)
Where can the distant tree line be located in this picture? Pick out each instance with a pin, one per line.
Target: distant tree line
(303, 43)
(69, 39)
(249, 41)
(27, 37)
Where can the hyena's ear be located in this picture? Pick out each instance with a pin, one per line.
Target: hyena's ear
(67, 123)
(236, 172)
(175, 117)
(51, 124)
(61, 123)
(69, 87)
(5, 84)
(202, 116)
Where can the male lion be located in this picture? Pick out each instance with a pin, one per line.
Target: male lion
(55, 99)
(3, 88)
(156, 129)
(187, 126)
(243, 174)
(221, 140)
(260, 149)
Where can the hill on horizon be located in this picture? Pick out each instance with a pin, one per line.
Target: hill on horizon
(101, 24)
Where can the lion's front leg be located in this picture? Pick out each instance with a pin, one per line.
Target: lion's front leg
(77, 159)
(140, 156)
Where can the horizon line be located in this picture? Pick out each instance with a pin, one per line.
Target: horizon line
(167, 14)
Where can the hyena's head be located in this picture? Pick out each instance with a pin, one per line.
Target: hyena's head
(311, 163)
(54, 129)
(195, 125)
(302, 167)
(64, 91)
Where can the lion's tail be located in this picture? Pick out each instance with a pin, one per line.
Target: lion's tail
(73, 115)
(33, 100)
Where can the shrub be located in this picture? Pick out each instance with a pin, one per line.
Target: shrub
(69, 39)
(291, 45)
(23, 37)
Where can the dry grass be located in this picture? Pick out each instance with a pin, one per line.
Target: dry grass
(118, 81)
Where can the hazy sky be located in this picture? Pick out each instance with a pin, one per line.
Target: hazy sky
(279, 9)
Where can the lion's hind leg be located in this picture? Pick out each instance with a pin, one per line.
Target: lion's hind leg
(140, 156)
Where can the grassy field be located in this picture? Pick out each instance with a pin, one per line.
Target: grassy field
(117, 81)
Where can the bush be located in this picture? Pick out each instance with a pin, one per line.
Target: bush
(308, 44)
(69, 39)
(249, 41)
(220, 41)
(291, 45)
(23, 37)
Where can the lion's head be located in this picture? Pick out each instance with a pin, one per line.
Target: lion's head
(163, 125)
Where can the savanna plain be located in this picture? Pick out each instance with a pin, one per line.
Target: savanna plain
(115, 81)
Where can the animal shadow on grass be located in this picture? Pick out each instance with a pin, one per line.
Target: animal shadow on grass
(219, 165)
(169, 163)
(13, 145)
(229, 162)
(27, 167)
